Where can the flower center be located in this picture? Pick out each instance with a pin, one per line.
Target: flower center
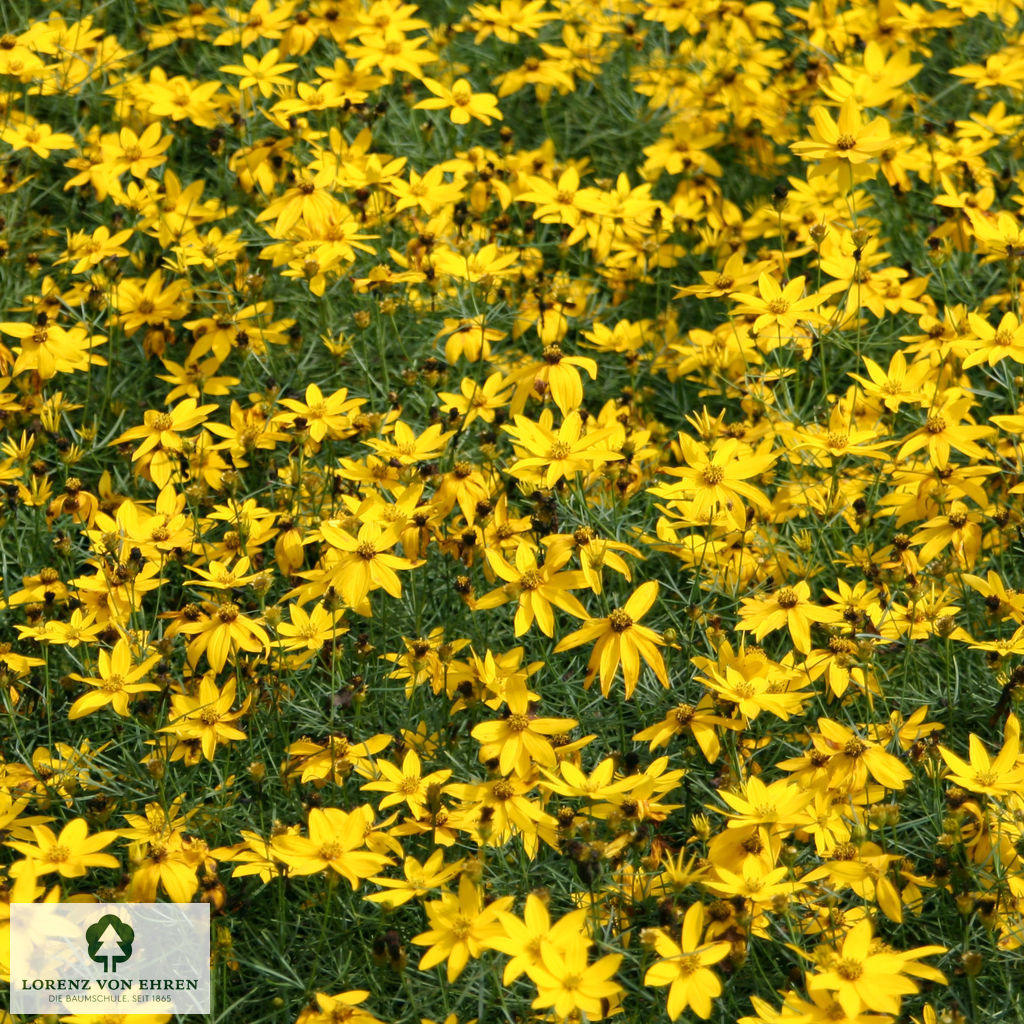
(850, 970)
(531, 579)
(845, 142)
(713, 475)
(619, 621)
(787, 598)
(518, 723)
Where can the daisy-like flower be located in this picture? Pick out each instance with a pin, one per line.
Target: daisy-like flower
(460, 927)
(521, 739)
(998, 776)
(898, 384)
(342, 1007)
(118, 681)
(70, 854)
(716, 479)
(621, 639)
(788, 607)
(462, 103)
(569, 985)
(778, 308)
(407, 784)
(524, 939)
(993, 344)
(418, 880)
(685, 966)
(535, 587)
(864, 977)
(207, 717)
(847, 142)
(336, 842)
(547, 455)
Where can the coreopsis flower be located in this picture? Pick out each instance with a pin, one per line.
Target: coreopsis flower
(701, 721)
(267, 73)
(321, 415)
(419, 879)
(685, 966)
(225, 630)
(948, 428)
(847, 143)
(521, 739)
(864, 977)
(1000, 776)
(341, 1007)
(206, 718)
(535, 588)
(546, 455)
(569, 984)
(898, 384)
(993, 344)
(788, 607)
(160, 433)
(407, 784)
(358, 565)
(336, 842)
(621, 639)
(779, 309)
(461, 102)
(309, 631)
(461, 927)
(852, 759)
(524, 939)
(169, 863)
(119, 680)
(715, 479)
(70, 854)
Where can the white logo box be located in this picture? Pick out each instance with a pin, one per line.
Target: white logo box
(95, 958)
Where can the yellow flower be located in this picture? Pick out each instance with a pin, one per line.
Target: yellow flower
(221, 633)
(863, 979)
(407, 784)
(418, 881)
(620, 638)
(336, 842)
(685, 966)
(266, 73)
(999, 776)
(789, 607)
(551, 455)
(535, 588)
(779, 309)
(715, 479)
(846, 143)
(70, 854)
(464, 103)
(118, 681)
(569, 985)
(207, 718)
(523, 940)
(334, 1009)
(521, 739)
(461, 926)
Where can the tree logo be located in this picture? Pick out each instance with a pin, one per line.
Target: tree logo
(110, 942)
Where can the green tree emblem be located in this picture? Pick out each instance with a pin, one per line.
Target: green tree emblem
(110, 942)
